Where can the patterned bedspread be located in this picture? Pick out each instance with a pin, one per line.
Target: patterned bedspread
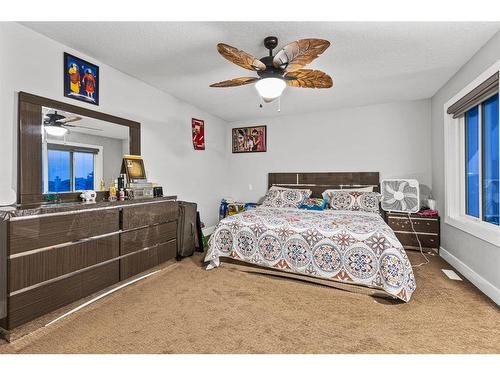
(345, 246)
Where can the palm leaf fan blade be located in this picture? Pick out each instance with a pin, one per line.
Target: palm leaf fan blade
(240, 58)
(296, 55)
(308, 78)
(235, 82)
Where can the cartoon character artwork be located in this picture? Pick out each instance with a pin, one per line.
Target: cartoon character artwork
(89, 83)
(74, 79)
(198, 133)
(249, 139)
(81, 79)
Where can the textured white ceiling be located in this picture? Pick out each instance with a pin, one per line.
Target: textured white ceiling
(369, 62)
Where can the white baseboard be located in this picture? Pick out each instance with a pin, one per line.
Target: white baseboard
(208, 230)
(480, 282)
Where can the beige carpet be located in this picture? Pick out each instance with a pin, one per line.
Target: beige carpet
(185, 309)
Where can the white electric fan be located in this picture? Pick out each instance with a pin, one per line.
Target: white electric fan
(400, 195)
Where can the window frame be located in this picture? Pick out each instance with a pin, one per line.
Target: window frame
(454, 168)
(98, 165)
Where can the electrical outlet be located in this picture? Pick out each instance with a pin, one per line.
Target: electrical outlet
(250, 187)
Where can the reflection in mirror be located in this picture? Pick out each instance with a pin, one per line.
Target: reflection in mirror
(80, 153)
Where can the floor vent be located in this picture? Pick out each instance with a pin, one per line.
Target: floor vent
(451, 274)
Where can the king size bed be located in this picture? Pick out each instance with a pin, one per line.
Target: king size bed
(352, 246)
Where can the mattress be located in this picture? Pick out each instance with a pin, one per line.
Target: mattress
(345, 246)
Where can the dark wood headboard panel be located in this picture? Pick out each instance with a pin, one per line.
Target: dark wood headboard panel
(321, 181)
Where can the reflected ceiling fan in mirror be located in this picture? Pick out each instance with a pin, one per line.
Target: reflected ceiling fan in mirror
(56, 124)
(275, 72)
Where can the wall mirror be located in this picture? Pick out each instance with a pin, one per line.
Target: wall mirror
(65, 149)
(79, 152)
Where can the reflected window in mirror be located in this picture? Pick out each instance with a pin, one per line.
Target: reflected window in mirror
(71, 168)
(86, 156)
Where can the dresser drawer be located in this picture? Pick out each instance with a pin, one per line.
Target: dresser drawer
(139, 262)
(167, 251)
(44, 231)
(31, 269)
(41, 300)
(149, 214)
(410, 239)
(143, 260)
(420, 225)
(146, 237)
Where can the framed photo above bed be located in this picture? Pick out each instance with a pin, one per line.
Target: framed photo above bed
(249, 139)
(81, 79)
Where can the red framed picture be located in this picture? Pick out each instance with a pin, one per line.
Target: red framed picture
(198, 132)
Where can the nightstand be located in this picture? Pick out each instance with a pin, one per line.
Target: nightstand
(427, 229)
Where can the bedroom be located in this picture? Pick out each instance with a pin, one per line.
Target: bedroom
(407, 101)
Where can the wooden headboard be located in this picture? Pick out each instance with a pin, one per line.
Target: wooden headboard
(321, 181)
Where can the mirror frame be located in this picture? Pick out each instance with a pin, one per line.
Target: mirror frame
(29, 164)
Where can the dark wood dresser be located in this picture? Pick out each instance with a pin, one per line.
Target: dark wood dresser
(58, 254)
(427, 229)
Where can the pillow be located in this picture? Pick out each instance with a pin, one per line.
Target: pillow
(354, 201)
(363, 189)
(282, 197)
(314, 204)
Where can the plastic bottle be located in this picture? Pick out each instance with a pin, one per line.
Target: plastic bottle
(222, 209)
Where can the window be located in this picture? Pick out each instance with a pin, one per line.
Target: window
(482, 164)
(83, 166)
(490, 161)
(59, 171)
(472, 161)
(472, 165)
(70, 168)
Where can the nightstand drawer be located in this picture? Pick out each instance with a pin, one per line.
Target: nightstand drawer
(421, 225)
(410, 239)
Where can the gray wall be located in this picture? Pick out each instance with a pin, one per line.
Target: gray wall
(480, 256)
(391, 138)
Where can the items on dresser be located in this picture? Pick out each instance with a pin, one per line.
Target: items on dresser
(412, 228)
(140, 190)
(112, 192)
(58, 254)
(88, 196)
(133, 168)
(121, 181)
(137, 185)
(158, 191)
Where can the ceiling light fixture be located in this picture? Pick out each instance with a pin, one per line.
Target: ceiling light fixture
(56, 131)
(270, 88)
(276, 71)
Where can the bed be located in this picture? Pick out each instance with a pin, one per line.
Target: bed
(351, 247)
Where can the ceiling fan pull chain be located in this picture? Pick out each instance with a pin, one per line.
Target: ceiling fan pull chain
(279, 103)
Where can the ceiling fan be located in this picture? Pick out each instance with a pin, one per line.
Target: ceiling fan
(57, 124)
(275, 72)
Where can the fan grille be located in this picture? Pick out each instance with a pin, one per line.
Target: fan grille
(400, 195)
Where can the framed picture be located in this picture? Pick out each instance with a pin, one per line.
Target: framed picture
(249, 139)
(81, 79)
(133, 167)
(198, 133)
